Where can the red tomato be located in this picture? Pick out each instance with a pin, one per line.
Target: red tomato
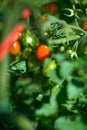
(26, 13)
(15, 48)
(84, 25)
(42, 52)
(13, 36)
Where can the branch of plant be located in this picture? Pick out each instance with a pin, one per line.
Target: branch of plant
(77, 28)
(66, 26)
(63, 40)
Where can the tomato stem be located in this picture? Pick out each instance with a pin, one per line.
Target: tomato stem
(63, 40)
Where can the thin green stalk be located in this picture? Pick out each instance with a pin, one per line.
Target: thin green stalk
(63, 40)
(4, 87)
(77, 28)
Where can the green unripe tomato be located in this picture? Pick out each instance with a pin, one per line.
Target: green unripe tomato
(26, 53)
(33, 64)
(28, 39)
(85, 50)
(62, 49)
(50, 66)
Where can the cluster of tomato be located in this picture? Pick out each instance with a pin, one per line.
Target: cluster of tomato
(41, 50)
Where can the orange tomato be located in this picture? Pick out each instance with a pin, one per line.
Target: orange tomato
(15, 48)
(43, 18)
(42, 52)
(84, 25)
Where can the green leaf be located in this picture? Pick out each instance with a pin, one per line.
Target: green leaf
(50, 108)
(53, 76)
(59, 58)
(74, 89)
(24, 123)
(42, 2)
(63, 123)
(66, 69)
(69, 105)
(19, 67)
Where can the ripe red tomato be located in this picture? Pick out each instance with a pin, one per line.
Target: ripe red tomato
(84, 25)
(42, 52)
(15, 48)
(26, 13)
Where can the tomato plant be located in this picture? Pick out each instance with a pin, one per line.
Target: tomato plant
(43, 83)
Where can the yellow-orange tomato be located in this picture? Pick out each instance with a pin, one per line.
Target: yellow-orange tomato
(15, 48)
(42, 52)
(43, 18)
(84, 25)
